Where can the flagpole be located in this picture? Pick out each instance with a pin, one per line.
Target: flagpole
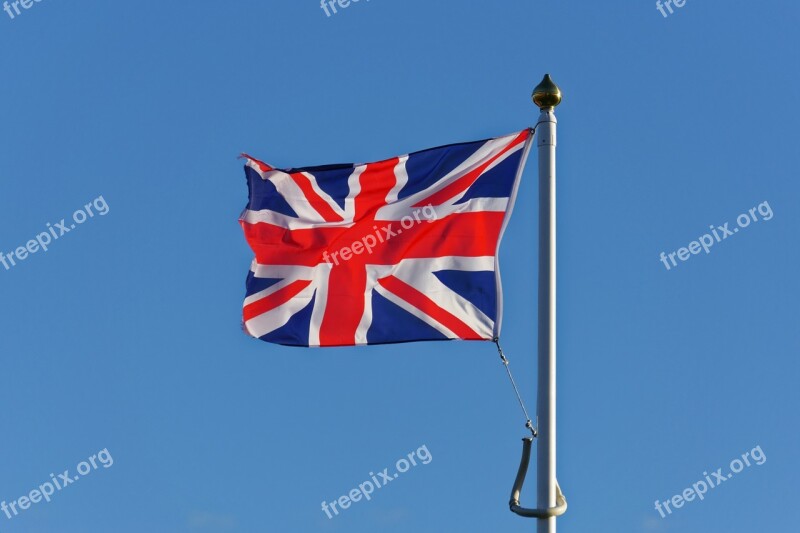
(547, 96)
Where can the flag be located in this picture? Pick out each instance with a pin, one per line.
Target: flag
(399, 250)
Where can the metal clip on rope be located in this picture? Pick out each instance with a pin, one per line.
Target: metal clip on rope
(561, 502)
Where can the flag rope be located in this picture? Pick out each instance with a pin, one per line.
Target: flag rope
(504, 359)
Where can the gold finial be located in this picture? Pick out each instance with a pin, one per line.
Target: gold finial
(547, 93)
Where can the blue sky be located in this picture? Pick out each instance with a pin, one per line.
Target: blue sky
(125, 335)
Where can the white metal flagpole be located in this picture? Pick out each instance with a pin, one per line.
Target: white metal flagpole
(547, 96)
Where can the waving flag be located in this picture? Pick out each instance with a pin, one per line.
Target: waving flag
(395, 251)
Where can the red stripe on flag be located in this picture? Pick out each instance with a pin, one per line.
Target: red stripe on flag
(465, 181)
(275, 299)
(463, 234)
(429, 307)
(315, 200)
(345, 306)
(261, 165)
(376, 181)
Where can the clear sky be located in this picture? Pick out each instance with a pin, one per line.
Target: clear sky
(125, 335)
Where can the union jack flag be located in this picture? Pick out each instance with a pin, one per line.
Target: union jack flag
(399, 250)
